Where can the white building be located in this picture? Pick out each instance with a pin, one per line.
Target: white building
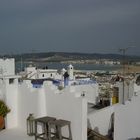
(32, 72)
(68, 104)
(35, 73)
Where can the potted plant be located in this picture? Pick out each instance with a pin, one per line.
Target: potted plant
(3, 112)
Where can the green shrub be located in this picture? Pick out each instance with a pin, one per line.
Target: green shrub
(3, 109)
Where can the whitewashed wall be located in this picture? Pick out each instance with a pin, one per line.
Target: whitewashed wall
(101, 119)
(2, 90)
(23, 99)
(28, 102)
(46, 101)
(11, 99)
(136, 89)
(90, 91)
(127, 120)
(65, 106)
(128, 90)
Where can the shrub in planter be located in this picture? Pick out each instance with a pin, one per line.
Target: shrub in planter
(3, 112)
(1, 122)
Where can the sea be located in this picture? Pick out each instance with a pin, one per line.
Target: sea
(59, 66)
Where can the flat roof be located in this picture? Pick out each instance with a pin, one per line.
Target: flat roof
(10, 76)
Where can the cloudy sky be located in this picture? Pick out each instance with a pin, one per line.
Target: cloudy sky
(91, 26)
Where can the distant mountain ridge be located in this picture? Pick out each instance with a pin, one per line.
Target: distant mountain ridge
(64, 56)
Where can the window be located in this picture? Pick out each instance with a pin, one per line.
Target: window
(20, 81)
(11, 80)
(138, 80)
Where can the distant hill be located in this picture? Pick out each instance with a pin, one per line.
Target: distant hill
(64, 56)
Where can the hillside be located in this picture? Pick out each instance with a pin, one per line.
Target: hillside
(65, 56)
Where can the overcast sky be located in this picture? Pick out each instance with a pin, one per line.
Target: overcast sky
(91, 26)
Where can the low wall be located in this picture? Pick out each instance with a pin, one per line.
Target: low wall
(45, 101)
(67, 107)
(90, 91)
(11, 99)
(99, 120)
(127, 120)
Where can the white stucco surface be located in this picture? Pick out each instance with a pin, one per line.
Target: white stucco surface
(127, 120)
(12, 102)
(128, 91)
(136, 89)
(66, 104)
(100, 119)
(14, 134)
(46, 101)
(90, 91)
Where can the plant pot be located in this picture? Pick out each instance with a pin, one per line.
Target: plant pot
(1, 123)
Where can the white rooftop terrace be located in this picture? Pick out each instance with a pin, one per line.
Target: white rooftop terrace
(14, 134)
(23, 99)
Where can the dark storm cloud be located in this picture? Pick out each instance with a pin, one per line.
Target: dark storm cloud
(74, 25)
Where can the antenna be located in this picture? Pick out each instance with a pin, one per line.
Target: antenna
(123, 50)
(21, 63)
(33, 51)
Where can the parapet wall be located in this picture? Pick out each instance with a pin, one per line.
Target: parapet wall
(46, 101)
(127, 120)
(100, 120)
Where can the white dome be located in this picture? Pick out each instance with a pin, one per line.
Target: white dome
(70, 66)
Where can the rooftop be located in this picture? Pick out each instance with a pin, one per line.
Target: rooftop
(14, 134)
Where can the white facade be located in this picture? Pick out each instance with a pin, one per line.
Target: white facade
(68, 104)
(7, 66)
(127, 120)
(34, 73)
(71, 104)
(23, 99)
(70, 72)
(128, 92)
(100, 119)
